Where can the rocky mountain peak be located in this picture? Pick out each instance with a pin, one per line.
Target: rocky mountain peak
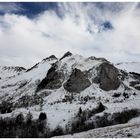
(51, 57)
(67, 54)
(75, 74)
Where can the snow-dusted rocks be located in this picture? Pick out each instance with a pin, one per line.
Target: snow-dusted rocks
(9, 71)
(74, 71)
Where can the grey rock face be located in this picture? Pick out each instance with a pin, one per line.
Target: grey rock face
(77, 82)
(107, 77)
(53, 80)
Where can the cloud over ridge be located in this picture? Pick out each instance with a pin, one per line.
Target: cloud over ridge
(109, 30)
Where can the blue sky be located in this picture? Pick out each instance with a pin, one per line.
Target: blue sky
(31, 31)
(31, 9)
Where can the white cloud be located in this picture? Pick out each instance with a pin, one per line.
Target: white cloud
(25, 41)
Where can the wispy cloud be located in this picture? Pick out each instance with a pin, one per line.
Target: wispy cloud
(9, 7)
(24, 41)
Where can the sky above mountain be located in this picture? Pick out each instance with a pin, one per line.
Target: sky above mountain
(32, 31)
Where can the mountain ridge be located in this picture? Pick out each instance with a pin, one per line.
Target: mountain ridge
(60, 87)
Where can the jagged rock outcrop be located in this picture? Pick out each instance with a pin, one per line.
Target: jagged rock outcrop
(17, 68)
(77, 82)
(107, 77)
(66, 55)
(50, 58)
(35, 66)
(53, 80)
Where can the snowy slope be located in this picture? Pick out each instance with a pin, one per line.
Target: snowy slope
(129, 66)
(60, 105)
(26, 81)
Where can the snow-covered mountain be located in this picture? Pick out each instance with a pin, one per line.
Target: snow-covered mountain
(61, 86)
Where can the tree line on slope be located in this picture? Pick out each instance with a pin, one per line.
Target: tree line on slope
(27, 127)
